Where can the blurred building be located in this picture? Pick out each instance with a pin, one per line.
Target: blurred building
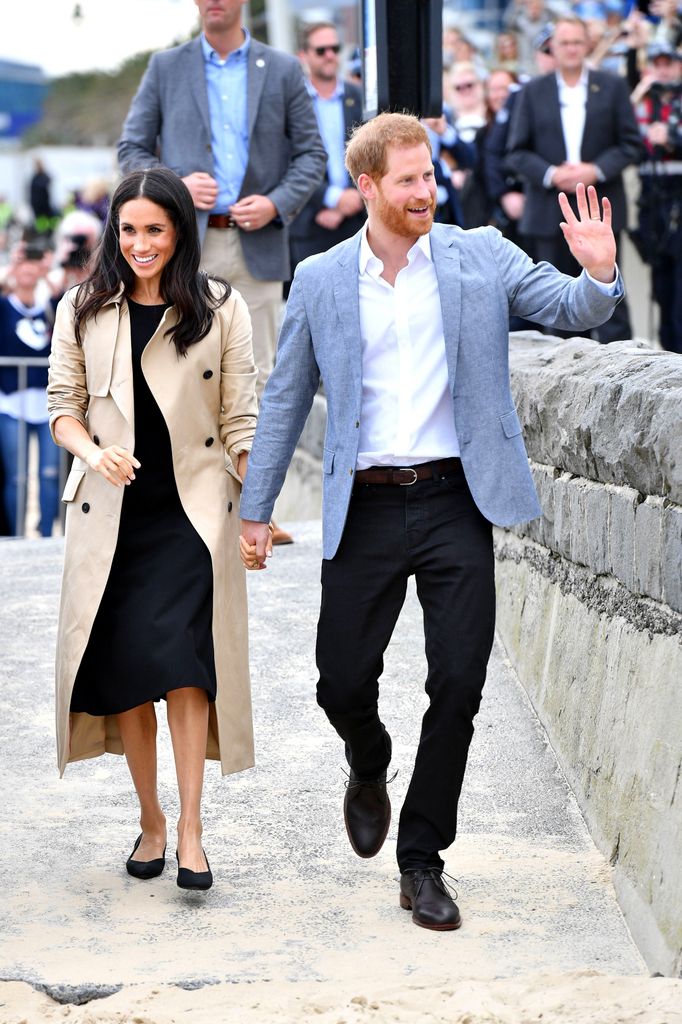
(23, 88)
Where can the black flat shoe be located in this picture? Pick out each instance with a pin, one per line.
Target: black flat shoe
(145, 868)
(200, 880)
(426, 894)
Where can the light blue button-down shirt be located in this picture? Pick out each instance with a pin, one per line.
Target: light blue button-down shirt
(226, 84)
(329, 114)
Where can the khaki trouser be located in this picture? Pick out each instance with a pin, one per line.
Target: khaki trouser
(222, 255)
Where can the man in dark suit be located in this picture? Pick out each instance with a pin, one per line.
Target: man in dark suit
(570, 126)
(335, 211)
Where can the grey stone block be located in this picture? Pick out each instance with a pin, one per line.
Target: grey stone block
(623, 503)
(562, 515)
(672, 556)
(604, 412)
(543, 477)
(597, 510)
(648, 548)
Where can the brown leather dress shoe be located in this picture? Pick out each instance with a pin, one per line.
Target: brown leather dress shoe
(367, 814)
(425, 893)
(280, 536)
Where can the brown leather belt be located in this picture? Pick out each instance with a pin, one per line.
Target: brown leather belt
(221, 220)
(405, 476)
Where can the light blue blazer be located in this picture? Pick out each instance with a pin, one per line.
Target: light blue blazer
(482, 279)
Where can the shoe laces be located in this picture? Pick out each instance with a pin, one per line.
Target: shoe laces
(438, 877)
(352, 783)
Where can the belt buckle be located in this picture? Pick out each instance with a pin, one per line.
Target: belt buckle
(409, 483)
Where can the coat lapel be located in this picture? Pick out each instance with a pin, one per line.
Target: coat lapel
(256, 72)
(195, 81)
(446, 261)
(347, 299)
(122, 390)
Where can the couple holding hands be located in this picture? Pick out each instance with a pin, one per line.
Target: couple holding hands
(152, 388)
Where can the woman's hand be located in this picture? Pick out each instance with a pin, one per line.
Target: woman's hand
(255, 544)
(117, 465)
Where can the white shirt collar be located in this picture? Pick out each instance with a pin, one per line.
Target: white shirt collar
(582, 81)
(421, 246)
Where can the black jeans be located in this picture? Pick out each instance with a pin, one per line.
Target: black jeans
(434, 531)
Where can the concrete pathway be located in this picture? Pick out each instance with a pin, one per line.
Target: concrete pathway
(291, 901)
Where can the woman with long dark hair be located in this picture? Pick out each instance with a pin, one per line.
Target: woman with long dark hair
(152, 388)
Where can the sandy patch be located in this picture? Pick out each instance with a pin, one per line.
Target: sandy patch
(581, 997)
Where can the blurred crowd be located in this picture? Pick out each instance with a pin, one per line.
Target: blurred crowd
(565, 92)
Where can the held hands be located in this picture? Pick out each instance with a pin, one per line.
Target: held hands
(589, 235)
(255, 544)
(117, 465)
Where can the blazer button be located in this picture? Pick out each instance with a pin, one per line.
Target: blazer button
(229, 506)
(208, 442)
(208, 374)
(85, 507)
(95, 439)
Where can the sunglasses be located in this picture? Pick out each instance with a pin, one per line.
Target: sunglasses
(463, 86)
(320, 51)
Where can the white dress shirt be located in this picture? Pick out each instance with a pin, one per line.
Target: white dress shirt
(407, 414)
(572, 102)
(573, 107)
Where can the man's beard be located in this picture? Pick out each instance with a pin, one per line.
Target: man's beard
(398, 220)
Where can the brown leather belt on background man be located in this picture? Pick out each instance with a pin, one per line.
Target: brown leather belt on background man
(221, 220)
(405, 476)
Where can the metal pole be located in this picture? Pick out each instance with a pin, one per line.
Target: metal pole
(22, 456)
(281, 33)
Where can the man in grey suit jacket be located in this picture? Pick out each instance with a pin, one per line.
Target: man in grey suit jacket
(407, 324)
(233, 118)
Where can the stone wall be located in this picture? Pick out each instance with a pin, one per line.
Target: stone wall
(589, 603)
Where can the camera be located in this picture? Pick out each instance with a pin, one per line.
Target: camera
(34, 253)
(78, 253)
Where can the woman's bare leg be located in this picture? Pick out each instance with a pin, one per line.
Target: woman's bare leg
(138, 733)
(188, 723)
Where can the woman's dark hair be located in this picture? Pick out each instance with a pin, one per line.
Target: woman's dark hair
(183, 285)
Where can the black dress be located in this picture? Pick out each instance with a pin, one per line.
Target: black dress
(153, 629)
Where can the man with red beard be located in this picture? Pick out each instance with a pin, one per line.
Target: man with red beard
(407, 325)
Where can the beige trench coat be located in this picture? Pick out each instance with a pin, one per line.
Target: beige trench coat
(208, 401)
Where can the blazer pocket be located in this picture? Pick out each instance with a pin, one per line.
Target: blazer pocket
(510, 423)
(327, 461)
(73, 482)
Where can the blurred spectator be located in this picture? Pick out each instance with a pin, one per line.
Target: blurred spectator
(525, 18)
(659, 231)
(6, 221)
(456, 47)
(39, 197)
(558, 139)
(24, 331)
(335, 211)
(94, 198)
(450, 156)
(76, 238)
(505, 188)
(478, 206)
(467, 99)
(668, 29)
(506, 52)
